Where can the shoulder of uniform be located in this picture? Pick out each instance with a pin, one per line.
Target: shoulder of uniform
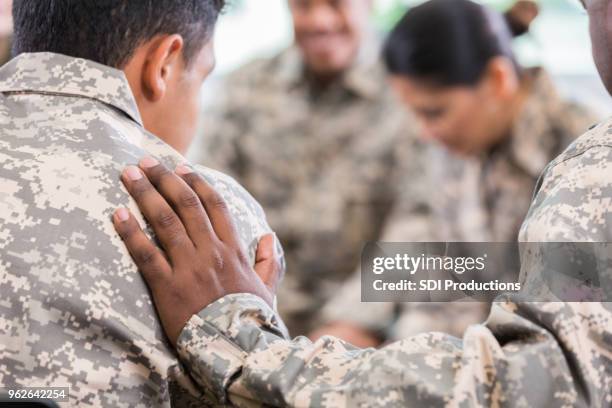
(597, 137)
(248, 215)
(216, 177)
(569, 200)
(230, 188)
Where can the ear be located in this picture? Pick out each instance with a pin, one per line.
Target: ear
(163, 59)
(501, 77)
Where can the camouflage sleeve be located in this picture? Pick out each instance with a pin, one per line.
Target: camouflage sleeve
(526, 354)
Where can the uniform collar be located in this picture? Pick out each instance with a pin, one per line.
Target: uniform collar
(62, 75)
(533, 140)
(360, 79)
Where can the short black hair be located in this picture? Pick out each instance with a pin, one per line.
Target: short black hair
(448, 42)
(109, 31)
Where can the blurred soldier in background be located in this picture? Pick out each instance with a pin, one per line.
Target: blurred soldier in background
(316, 135)
(496, 125)
(6, 30)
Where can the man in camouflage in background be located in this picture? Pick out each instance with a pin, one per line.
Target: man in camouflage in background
(316, 135)
(75, 312)
(527, 354)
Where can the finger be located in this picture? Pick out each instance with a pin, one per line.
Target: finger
(265, 248)
(152, 264)
(267, 265)
(215, 206)
(166, 224)
(181, 197)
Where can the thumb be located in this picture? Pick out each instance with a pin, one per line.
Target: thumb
(267, 266)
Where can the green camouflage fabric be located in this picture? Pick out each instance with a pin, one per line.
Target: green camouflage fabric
(479, 199)
(526, 354)
(74, 309)
(323, 163)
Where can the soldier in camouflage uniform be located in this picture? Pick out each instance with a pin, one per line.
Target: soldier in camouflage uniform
(75, 312)
(316, 135)
(527, 354)
(483, 197)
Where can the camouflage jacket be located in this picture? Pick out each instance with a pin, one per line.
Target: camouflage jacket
(322, 162)
(74, 309)
(478, 199)
(526, 354)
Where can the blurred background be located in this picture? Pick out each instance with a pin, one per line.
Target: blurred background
(558, 40)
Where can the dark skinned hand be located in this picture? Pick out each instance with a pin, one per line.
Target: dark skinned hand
(204, 259)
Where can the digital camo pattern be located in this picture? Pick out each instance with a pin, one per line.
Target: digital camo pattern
(546, 354)
(482, 199)
(573, 204)
(324, 164)
(574, 197)
(74, 310)
(524, 355)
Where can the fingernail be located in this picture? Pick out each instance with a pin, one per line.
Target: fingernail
(133, 173)
(122, 214)
(148, 162)
(182, 169)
